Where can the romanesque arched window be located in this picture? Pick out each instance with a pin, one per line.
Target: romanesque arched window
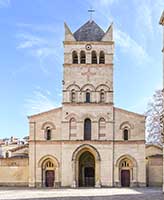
(48, 133)
(102, 58)
(74, 57)
(7, 154)
(126, 134)
(73, 96)
(102, 127)
(102, 96)
(87, 129)
(82, 57)
(72, 127)
(88, 96)
(94, 57)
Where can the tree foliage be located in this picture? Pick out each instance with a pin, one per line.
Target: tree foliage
(154, 124)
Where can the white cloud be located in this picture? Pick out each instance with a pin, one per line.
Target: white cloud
(39, 27)
(107, 2)
(39, 101)
(130, 46)
(4, 3)
(144, 17)
(30, 41)
(41, 47)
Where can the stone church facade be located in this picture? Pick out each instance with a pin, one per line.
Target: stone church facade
(87, 142)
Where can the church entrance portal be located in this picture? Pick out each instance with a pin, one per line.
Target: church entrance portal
(49, 179)
(86, 170)
(125, 178)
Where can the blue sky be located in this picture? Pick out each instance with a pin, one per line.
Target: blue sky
(31, 53)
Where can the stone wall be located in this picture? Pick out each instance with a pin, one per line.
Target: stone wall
(14, 171)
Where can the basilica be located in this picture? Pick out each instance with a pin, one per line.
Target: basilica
(88, 142)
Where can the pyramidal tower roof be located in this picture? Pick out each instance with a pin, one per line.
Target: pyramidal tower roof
(90, 31)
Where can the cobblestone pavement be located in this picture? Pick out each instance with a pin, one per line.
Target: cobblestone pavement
(82, 194)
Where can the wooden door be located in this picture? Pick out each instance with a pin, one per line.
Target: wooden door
(125, 178)
(50, 176)
(89, 176)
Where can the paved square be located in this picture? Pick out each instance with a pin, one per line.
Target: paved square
(82, 194)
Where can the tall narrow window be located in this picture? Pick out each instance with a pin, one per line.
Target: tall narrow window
(48, 133)
(102, 58)
(102, 127)
(7, 154)
(94, 57)
(82, 57)
(87, 129)
(88, 97)
(72, 126)
(73, 96)
(74, 57)
(102, 96)
(125, 134)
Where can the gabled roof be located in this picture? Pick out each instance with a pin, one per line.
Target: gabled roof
(90, 31)
(18, 148)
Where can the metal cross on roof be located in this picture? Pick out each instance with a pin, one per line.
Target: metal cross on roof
(91, 11)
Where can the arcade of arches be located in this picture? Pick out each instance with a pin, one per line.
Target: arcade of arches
(86, 164)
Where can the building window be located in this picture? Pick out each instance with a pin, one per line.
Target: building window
(74, 57)
(72, 127)
(87, 129)
(125, 134)
(102, 58)
(73, 96)
(94, 57)
(102, 96)
(82, 57)
(88, 97)
(7, 154)
(48, 133)
(102, 127)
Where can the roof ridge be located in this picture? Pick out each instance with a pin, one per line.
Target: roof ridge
(90, 31)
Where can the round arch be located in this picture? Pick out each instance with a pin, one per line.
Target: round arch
(49, 171)
(86, 147)
(44, 158)
(73, 86)
(75, 163)
(102, 87)
(126, 171)
(50, 124)
(126, 124)
(88, 87)
(128, 157)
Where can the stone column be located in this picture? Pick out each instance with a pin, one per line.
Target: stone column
(97, 174)
(74, 185)
(116, 177)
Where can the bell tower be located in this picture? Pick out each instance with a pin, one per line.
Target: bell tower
(88, 65)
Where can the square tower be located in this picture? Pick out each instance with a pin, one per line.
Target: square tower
(88, 65)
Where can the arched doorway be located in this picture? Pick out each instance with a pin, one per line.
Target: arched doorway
(49, 166)
(48, 173)
(86, 170)
(126, 172)
(86, 166)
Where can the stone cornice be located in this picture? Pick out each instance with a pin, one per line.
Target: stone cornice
(88, 65)
(59, 142)
(87, 104)
(88, 42)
